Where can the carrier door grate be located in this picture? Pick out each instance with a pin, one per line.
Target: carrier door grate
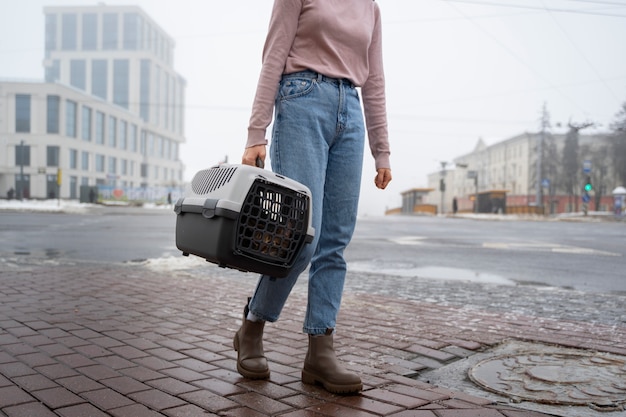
(273, 223)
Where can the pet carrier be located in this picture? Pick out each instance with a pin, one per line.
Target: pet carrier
(246, 218)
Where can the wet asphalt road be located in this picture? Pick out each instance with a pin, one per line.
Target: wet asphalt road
(581, 255)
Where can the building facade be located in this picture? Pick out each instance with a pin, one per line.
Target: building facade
(109, 113)
(513, 168)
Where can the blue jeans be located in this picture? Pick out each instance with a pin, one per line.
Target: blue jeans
(318, 140)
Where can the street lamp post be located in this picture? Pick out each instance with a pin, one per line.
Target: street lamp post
(442, 184)
(20, 183)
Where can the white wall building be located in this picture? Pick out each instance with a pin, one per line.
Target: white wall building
(511, 166)
(110, 112)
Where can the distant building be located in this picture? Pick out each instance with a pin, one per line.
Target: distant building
(109, 113)
(505, 176)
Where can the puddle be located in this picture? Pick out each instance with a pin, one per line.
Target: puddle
(428, 272)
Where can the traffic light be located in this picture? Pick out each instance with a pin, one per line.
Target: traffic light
(588, 187)
(442, 185)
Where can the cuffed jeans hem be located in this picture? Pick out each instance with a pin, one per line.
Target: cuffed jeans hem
(316, 331)
(264, 317)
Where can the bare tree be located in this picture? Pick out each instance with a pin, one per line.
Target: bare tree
(571, 164)
(618, 146)
(551, 167)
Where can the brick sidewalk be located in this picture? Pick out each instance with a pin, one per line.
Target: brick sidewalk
(125, 341)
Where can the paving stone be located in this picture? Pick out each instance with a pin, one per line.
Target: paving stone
(78, 384)
(209, 401)
(58, 397)
(136, 410)
(125, 385)
(98, 372)
(34, 382)
(13, 395)
(35, 409)
(156, 399)
(107, 399)
(172, 386)
(14, 369)
(188, 410)
(82, 410)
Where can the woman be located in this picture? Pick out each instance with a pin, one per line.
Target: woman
(316, 53)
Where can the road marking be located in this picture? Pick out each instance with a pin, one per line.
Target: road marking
(408, 240)
(519, 246)
(548, 247)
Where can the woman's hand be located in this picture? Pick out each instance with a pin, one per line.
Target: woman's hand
(382, 178)
(251, 154)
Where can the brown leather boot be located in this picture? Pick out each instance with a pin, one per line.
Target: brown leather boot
(322, 367)
(248, 342)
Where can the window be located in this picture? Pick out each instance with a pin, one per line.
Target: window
(159, 146)
(144, 170)
(144, 143)
(150, 149)
(52, 156)
(99, 78)
(22, 155)
(124, 167)
(157, 95)
(78, 74)
(84, 160)
(99, 163)
(123, 139)
(99, 128)
(53, 114)
(70, 118)
(22, 113)
(112, 165)
(120, 82)
(144, 90)
(73, 159)
(90, 31)
(131, 31)
(109, 31)
(68, 32)
(166, 101)
(73, 187)
(133, 138)
(51, 33)
(112, 132)
(86, 124)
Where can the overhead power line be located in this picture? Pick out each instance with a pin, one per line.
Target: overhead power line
(548, 9)
(587, 60)
(600, 2)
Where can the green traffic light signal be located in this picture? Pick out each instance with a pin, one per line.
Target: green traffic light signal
(588, 187)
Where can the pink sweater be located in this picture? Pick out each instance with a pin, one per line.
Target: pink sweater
(337, 38)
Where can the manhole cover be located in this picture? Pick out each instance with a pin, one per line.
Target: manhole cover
(567, 378)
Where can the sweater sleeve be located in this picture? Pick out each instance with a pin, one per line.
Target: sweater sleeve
(281, 33)
(374, 102)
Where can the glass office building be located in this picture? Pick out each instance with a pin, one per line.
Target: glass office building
(110, 112)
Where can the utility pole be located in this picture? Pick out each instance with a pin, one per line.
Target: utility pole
(442, 184)
(539, 162)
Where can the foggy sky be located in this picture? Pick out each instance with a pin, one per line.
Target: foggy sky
(456, 71)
